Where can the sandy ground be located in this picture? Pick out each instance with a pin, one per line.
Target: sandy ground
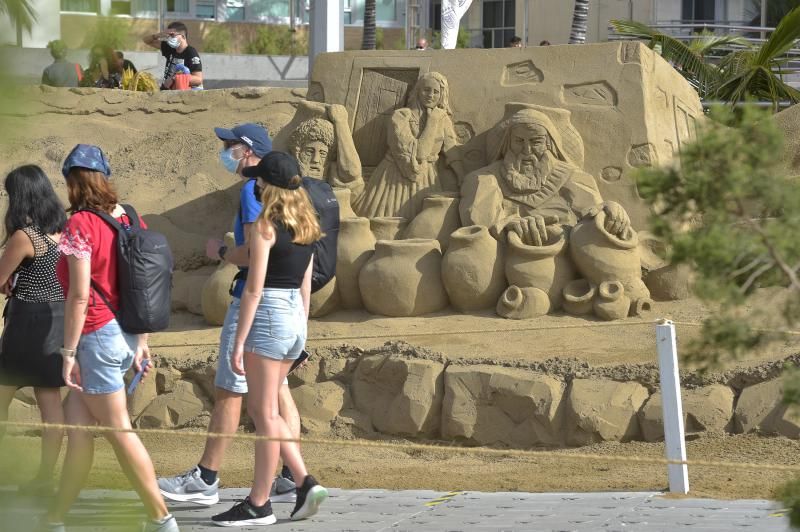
(349, 467)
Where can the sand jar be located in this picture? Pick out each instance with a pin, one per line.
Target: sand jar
(523, 303)
(388, 227)
(438, 218)
(472, 269)
(611, 302)
(355, 247)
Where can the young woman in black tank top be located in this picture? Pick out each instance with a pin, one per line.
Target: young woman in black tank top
(34, 312)
(272, 331)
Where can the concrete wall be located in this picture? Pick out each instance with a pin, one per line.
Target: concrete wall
(221, 70)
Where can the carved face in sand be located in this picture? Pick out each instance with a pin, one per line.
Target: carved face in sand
(527, 162)
(312, 157)
(429, 92)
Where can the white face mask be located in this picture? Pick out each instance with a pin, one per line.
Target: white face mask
(173, 42)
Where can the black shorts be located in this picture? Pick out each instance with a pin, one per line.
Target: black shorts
(29, 347)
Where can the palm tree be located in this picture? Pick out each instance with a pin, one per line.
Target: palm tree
(368, 41)
(747, 72)
(580, 16)
(21, 14)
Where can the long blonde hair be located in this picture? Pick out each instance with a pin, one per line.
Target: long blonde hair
(293, 209)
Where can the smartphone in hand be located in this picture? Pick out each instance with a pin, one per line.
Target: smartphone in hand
(138, 376)
(302, 358)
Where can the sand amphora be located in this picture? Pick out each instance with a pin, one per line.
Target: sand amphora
(343, 196)
(403, 278)
(438, 219)
(523, 303)
(325, 300)
(215, 297)
(356, 245)
(547, 267)
(611, 303)
(388, 227)
(601, 256)
(472, 269)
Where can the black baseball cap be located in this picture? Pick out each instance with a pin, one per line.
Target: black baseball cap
(277, 168)
(252, 135)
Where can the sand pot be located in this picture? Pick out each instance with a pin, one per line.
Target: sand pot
(403, 278)
(611, 302)
(601, 256)
(642, 307)
(343, 197)
(388, 227)
(438, 219)
(356, 245)
(325, 300)
(216, 298)
(578, 297)
(472, 269)
(523, 303)
(546, 267)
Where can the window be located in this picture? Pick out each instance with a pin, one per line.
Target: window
(498, 23)
(80, 6)
(698, 10)
(177, 6)
(348, 12)
(435, 15)
(121, 7)
(205, 9)
(386, 10)
(234, 10)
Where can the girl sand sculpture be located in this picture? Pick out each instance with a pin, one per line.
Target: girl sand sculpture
(418, 135)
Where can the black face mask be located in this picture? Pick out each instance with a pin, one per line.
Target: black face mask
(257, 191)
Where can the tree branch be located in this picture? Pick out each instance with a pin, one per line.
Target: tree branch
(784, 267)
(755, 275)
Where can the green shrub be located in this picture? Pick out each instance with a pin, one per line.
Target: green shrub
(218, 40)
(277, 40)
(109, 32)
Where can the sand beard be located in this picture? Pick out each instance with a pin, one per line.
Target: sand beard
(532, 178)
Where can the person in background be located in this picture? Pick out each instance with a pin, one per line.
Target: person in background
(515, 42)
(544, 43)
(174, 46)
(422, 44)
(61, 73)
(34, 314)
(125, 64)
(96, 352)
(104, 70)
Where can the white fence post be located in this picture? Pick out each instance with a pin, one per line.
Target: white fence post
(674, 434)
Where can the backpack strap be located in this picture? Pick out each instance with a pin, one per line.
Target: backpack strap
(133, 216)
(118, 227)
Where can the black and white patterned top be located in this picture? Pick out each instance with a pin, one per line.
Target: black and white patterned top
(36, 277)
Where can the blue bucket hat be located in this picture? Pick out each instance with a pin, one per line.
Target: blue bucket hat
(86, 156)
(252, 135)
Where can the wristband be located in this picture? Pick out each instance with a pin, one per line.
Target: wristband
(67, 353)
(222, 251)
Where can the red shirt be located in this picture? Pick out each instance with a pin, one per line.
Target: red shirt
(88, 237)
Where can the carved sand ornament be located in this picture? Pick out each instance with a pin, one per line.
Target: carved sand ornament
(403, 278)
(546, 267)
(611, 303)
(438, 218)
(355, 247)
(472, 269)
(579, 297)
(523, 303)
(601, 256)
(420, 137)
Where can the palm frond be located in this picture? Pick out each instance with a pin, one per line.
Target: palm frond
(782, 39)
(20, 12)
(707, 42)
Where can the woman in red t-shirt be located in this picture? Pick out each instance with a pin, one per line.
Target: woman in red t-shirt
(97, 352)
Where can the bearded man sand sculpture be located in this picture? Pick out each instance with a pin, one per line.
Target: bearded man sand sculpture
(533, 194)
(418, 135)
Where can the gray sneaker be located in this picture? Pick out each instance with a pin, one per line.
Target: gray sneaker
(169, 525)
(189, 487)
(283, 490)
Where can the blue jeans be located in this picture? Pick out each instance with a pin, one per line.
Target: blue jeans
(105, 355)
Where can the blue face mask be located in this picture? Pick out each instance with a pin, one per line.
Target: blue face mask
(227, 159)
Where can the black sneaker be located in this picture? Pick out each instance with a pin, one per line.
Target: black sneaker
(244, 514)
(309, 496)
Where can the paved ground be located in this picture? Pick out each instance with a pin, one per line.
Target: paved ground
(381, 510)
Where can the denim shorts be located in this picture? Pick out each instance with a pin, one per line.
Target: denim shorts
(226, 378)
(279, 327)
(105, 355)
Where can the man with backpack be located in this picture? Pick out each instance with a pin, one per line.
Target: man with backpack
(243, 146)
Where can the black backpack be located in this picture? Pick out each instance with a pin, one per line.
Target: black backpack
(327, 207)
(144, 263)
